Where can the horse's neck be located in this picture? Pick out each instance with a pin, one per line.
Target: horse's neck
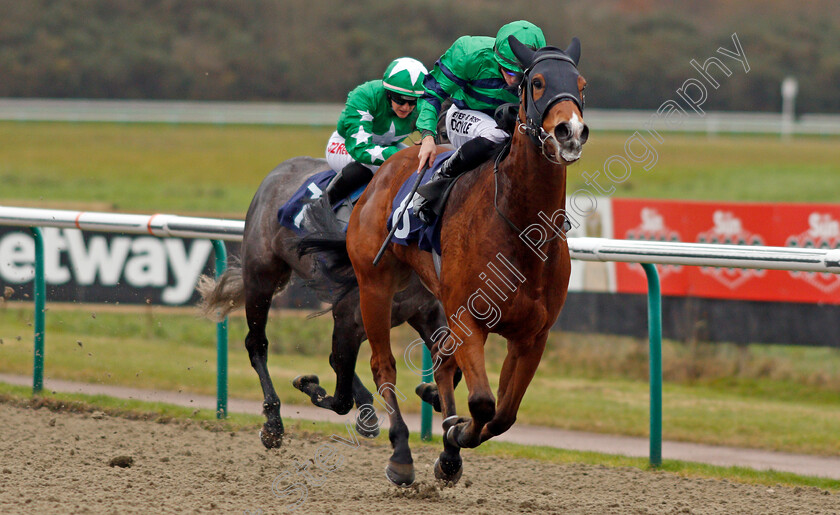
(533, 183)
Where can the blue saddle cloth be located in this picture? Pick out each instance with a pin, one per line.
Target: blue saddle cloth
(410, 228)
(291, 213)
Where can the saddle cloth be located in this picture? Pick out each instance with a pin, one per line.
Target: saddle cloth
(291, 214)
(410, 228)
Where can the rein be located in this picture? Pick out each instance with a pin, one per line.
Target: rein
(512, 225)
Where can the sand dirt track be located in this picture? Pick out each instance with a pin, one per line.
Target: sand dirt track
(57, 462)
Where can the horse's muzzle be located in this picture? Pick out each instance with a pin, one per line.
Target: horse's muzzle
(570, 137)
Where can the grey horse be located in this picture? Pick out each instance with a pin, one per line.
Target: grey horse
(269, 258)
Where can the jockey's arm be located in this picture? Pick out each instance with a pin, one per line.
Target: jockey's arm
(429, 110)
(428, 151)
(449, 73)
(358, 122)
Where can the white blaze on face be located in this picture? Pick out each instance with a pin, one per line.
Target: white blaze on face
(570, 155)
(577, 126)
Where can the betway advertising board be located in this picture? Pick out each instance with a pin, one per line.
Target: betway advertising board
(102, 267)
(776, 224)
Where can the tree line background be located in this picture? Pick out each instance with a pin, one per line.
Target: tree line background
(636, 53)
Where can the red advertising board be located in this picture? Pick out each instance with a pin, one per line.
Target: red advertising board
(794, 225)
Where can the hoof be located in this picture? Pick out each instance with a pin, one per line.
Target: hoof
(369, 429)
(271, 440)
(449, 471)
(401, 475)
(452, 428)
(428, 392)
(301, 382)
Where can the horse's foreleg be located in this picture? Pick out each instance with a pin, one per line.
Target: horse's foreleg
(428, 323)
(367, 422)
(258, 294)
(482, 404)
(375, 301)
(347, 337)
(517, 372)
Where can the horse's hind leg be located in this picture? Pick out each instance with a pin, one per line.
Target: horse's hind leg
(429, 324)
(449, 465)
(260, 285)
(348, 335)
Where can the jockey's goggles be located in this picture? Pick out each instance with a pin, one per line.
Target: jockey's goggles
(517, 75)
(402, 100)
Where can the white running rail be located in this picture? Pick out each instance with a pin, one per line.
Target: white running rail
(584, 249)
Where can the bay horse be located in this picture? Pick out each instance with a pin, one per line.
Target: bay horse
(482, 220)
(268, 260)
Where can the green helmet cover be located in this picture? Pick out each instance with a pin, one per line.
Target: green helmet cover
(405, 77)
(526, 32)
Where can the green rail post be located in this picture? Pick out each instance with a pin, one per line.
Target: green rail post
(426, 408)
(40, 288)
(221, 340)
(655, 335)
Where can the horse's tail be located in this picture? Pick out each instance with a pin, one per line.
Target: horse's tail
(333, 278)
(220, 297)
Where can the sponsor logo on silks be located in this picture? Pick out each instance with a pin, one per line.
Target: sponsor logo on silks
(140, 261)
(463, 122)
(653, 228)
(336, 147)
(729, 230)
(823, 233)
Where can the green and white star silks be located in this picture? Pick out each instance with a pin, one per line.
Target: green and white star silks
(370, 128)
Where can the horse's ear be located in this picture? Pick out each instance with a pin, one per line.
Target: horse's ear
(523, 53)
(574, 50)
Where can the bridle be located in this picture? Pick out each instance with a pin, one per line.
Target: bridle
(535, 109)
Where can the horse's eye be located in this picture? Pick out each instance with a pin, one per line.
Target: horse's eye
(537, 83)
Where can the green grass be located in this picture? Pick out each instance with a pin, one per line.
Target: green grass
(167, 413)
(210, 169)
(146, 167)
(585, 382)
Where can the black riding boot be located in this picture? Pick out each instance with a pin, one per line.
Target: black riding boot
(348, 180)
(469, 156)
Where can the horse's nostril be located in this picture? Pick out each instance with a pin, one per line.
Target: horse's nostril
(563, 131)
(584, 134)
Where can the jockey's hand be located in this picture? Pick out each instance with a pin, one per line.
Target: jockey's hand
(428, 152)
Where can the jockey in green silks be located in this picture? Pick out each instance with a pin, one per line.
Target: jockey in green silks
(379, 114)
(479, 74)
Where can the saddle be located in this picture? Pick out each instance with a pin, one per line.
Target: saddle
(437, 191)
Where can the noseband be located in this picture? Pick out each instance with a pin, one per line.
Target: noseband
(561, 84)
(562, 81)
